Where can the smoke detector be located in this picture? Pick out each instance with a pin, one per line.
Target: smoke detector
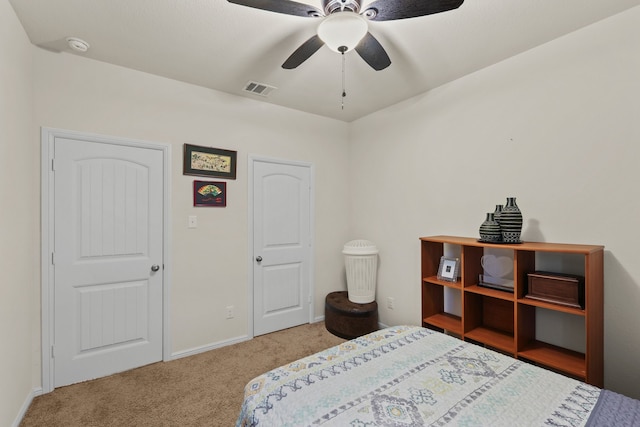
(77, 44)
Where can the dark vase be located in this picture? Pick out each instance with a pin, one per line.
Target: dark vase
(511, 221)
(490, 230)
(498, 213)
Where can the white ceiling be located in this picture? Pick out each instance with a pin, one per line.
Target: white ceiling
(222, 46)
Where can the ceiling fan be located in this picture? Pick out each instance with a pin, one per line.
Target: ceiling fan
(344, 24)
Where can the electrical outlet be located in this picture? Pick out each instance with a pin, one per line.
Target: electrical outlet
(230, 313)
(390, 302)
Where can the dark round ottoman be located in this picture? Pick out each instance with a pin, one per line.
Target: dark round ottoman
(347, 319)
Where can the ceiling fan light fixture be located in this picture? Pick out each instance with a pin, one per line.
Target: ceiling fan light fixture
(342, 29)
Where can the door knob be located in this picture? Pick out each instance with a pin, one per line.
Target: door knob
(155, 267)
(258, 258)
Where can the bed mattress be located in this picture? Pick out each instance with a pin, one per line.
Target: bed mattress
(412, 376)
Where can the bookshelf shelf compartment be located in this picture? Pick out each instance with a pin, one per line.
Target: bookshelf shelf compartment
(551, 306)
(490, 292)
(434, 280)
(492, 338)
(506, 321)
(445, 321)
(559, 359)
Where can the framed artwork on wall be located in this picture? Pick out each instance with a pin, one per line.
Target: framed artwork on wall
(208, 161)
(210, 193)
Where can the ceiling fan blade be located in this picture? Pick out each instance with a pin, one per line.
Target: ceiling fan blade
(386, 10)
(287, 7)
(303, 53)
(373, 53)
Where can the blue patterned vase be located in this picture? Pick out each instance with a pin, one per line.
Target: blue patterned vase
(490, 230)
(511, 222)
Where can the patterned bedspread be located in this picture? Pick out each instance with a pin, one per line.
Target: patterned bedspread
(411, 376)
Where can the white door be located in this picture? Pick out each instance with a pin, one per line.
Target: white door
(282, 245)
(108, 260)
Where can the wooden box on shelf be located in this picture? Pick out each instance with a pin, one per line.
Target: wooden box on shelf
(556, 288)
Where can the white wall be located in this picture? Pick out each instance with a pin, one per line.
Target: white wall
(558, 127)
(79, 94)
(19, 207)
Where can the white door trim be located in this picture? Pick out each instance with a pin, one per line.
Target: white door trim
(252, 158)
(47, 139)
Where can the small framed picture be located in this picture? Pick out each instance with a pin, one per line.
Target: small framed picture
(449, 268)
(208, 161)
(210, 193)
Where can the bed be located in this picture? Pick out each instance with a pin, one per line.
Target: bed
(412, 376)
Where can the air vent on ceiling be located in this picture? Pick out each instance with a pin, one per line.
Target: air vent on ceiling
(259, 88)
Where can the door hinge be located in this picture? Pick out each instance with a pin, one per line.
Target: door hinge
(53, 258)
(53, 353)
(309, 299)
(53, 164)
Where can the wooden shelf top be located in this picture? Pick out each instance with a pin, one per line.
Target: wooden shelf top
(524, 246)
(445, 321)
(551, 306)
(557, 358)
(434, 279)
(494, 293)
(492, 338)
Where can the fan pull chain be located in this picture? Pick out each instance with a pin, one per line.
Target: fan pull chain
(344, 91)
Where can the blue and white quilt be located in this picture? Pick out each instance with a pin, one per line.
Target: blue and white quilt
(410, 376)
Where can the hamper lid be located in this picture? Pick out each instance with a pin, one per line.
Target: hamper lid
(360, 247)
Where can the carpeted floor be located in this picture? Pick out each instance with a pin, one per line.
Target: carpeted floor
(201, 390)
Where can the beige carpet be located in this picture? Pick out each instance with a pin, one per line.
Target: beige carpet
(201, 390)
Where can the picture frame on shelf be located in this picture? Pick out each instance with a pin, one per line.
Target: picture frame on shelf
(449, 269)
(209, 161)
(209, 194)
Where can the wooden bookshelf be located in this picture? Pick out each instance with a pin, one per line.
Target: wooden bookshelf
(506, 320)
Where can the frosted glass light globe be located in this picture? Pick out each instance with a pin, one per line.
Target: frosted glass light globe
(342, 29)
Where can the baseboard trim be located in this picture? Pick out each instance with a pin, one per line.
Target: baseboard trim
(220, 344)
(208, 347)
(36, 391)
